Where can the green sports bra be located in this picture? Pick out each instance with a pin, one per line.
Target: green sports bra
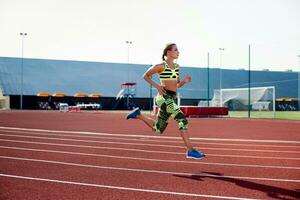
(169, 73)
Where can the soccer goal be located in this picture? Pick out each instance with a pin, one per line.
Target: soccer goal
(4, 101)
(262, 101)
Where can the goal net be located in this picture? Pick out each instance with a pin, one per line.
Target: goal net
(4, 101)
(262, 99)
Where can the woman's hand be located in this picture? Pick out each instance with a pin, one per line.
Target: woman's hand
(160, 90)
(187, 79)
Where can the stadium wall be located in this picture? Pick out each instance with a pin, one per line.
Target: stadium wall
(70, 77)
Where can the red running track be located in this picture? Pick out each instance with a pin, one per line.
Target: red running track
(46, 155)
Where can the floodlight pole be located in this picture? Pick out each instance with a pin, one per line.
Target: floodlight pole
(208, 79)
(128, 49)
(274, 102)
(249, 77)
(221, 100)
(128, 54)
(150, 102)
(299, 82)
(22, 70)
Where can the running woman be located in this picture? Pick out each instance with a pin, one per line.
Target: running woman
(168, 72)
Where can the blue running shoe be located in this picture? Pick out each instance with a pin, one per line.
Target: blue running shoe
(195, 154)
(134, 113)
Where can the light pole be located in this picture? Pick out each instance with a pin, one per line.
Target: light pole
(128, 49)
(208, 79)
(299, 82)
(220, 52)
(22, 60)
(249, 80)
(128, 54)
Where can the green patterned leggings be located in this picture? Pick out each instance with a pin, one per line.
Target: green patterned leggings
(168, 108)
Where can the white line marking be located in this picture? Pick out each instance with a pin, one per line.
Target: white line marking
(148, 171)
(145, 136)
(159, 145)
(120, 188)
(150, 159)
(161, 140)
(139, 150)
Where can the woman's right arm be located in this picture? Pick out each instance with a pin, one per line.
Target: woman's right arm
(151, 71)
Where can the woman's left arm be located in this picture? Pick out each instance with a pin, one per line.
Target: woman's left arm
(186, 79)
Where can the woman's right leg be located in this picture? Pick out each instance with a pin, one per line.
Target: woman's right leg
(162, 118)
(136, 114)
(147, 120)
(160, 124)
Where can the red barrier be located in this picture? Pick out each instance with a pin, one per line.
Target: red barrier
(74, 109)
(199, 111)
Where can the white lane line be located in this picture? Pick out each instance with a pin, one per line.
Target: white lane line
(150, 159)
(141, 150)
(121, 188)
(145, 136)
(160, 140)
(149, 171)
(156, 145)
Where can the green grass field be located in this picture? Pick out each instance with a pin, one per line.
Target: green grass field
(291, 115)
(294, 115)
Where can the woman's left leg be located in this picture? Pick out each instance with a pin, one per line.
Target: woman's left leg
(183, 126)
(186, 139)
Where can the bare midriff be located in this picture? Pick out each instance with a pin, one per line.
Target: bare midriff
(169, 84)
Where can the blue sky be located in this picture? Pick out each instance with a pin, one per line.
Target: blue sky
(96, 30)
